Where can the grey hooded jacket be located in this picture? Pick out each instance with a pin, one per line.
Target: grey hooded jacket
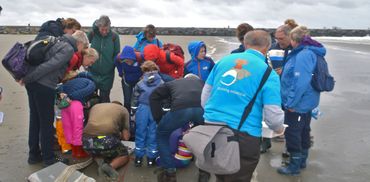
(50, 72)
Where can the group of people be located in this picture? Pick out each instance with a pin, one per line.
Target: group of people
(199, 91)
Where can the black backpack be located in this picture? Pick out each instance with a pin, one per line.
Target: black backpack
(321, 78)
(37, 50)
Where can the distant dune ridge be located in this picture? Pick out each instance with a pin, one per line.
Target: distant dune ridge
(335, 32)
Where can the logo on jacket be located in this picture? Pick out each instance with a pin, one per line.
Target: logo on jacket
(235, 73)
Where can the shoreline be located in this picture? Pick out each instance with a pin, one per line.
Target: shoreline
(192, 31)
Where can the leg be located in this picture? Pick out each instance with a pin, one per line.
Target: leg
(67, 123)
(119, 162)
(127, 94)
(45, 102)
(140, 135)
(104, 96)
(293, 142)
(34, 127)
(152, 151)
(306, 139)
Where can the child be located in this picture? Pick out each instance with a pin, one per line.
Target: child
(199, 64)
(145, 135)
(148, 36)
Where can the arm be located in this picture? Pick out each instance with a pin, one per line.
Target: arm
(274, 117)
(125, 125)
(177, 60)
(119, 67)
(62, 56)
(135, 96)
(155, 100)
(205, 94)
(117, 45)
(305, 63)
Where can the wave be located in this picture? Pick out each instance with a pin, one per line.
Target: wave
(347, 50)
(351, 40)
(225, 41)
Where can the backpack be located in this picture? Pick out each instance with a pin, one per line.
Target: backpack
(37, 50)
(321, 78)
(14, 60)
(174, 48)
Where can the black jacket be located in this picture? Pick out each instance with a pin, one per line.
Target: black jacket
(183, 93)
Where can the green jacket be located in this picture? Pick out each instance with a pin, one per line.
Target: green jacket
(108, 47)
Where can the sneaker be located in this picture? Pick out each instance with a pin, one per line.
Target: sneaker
(138, 161)
(34, 160)
(150, 162)
(55, 160)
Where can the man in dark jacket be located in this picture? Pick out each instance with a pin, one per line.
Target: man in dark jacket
(58, 27)
(185, 106)
(241, 30)
(40, 83)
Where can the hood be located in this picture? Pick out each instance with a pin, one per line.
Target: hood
(51, 28)
(151, 52)
(140, 36)
(128, 53)
(313, 45)
(194, 47)
(151, 78)
(96, 30)
(69, 39)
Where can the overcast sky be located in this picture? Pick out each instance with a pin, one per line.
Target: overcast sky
(192, 13)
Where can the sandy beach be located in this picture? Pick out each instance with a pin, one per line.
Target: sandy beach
(341, 135)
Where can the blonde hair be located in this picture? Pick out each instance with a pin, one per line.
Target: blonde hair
(148, 66)
(80, 36)
(90, 52)
(298, 33)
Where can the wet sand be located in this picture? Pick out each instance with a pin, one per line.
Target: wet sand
(341, 136)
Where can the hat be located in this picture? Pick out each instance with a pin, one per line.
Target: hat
(128, 53)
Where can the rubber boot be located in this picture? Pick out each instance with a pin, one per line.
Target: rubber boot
(78, 152)
(294, 165)
(304, 158)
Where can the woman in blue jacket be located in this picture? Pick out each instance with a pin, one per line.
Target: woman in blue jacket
(299, 97)
(199, 64)
(146, 37)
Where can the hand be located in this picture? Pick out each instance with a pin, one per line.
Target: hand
(125, 134)
(278, 71)
(20, 82)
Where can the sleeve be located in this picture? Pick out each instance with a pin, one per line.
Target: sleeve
(125, 119)
(118, 65)
(271, 90)
(177, 60)
(160, 43)
(273, 116)
(304, 65)
(117, 46)
(206, 92)
(136, 46)
(62, 56)
(160, 93)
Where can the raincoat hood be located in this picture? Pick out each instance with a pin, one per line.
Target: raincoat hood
(151, 52)
(194, 47)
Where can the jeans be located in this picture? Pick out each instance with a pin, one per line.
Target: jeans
(297, 135)
(41, 101)
(171, 121)
(145, 136)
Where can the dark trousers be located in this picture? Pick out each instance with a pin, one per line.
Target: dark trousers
(127, 94)
(249, 156)
(41, 101)
(104, 96)
(297, 135)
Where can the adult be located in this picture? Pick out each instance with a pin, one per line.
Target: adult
(107, 125)
(58, 27)
(107, 43)
(241, 30)
(185, 106)
(228, 90)
(146, 37)
(299, 97)
(40, 83)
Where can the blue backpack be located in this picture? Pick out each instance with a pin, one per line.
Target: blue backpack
(321, 78)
